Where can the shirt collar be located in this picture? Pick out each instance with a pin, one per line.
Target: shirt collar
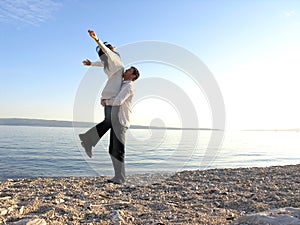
(126, 81)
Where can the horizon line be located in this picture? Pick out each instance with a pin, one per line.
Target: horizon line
(83, 124)
(133, 126)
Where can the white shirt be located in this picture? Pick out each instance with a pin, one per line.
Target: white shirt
(114, 73)
(124, 100)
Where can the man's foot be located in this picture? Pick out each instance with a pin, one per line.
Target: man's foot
(115, 181)
(87, 148)
(110, 181)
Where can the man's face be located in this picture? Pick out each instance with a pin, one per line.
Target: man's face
(128, 74)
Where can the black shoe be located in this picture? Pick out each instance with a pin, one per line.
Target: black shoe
(112, 181)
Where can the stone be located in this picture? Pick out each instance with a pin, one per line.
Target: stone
(21, 211)
(282, 216)
(117, 218)
(31, 221)
(5, 198)
(12, 208)
(3, 211)
(59, 201)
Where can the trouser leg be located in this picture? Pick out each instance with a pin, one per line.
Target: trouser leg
(119, 168)
(116, 151)
(94, 134)
(117, 148)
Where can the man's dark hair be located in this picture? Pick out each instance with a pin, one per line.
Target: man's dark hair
(136, 73)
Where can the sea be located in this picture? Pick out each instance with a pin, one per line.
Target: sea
(29, 151)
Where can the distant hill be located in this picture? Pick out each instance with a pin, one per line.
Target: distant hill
(60, 123)
(42, 123)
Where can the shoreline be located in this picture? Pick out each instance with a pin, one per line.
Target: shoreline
(212, 196)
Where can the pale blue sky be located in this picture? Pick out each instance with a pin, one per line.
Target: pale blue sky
(251, 47)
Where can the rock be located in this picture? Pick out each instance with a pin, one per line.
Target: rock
(12, 208)
(213, 191)
(3, 211)
(31, 221)
(283, 216)
(117, 218)
(21, 211)
(5, 198)
(59, 201)
(231, 216)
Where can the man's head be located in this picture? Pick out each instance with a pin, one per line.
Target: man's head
(131, 74)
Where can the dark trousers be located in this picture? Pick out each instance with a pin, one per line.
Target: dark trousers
(117, 133)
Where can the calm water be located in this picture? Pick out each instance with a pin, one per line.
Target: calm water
(44, 151)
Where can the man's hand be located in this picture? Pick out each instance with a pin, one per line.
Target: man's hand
(93, 35)
(87, 62)
(103, 102)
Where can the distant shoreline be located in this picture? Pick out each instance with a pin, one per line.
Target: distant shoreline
(61, 123)
(70, 124)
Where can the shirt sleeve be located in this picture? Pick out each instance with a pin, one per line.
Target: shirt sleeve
(97, 63)
(125, 93)
(106, 50)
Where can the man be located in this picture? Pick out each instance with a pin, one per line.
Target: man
(120, 118)
(117, 119)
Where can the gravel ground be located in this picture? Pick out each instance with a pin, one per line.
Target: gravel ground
(216, 196)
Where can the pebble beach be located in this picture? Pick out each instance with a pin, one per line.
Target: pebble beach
(214, 196)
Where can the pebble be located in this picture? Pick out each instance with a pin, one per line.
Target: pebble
(117, 218)
(5, 198)
(59, 201)
(282, 216)
(21, 210)
(3, 211)
(31, 222)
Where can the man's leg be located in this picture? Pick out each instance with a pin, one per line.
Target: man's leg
(117, 149)
(119, 168)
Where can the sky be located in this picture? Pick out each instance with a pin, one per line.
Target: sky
(252, 48)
